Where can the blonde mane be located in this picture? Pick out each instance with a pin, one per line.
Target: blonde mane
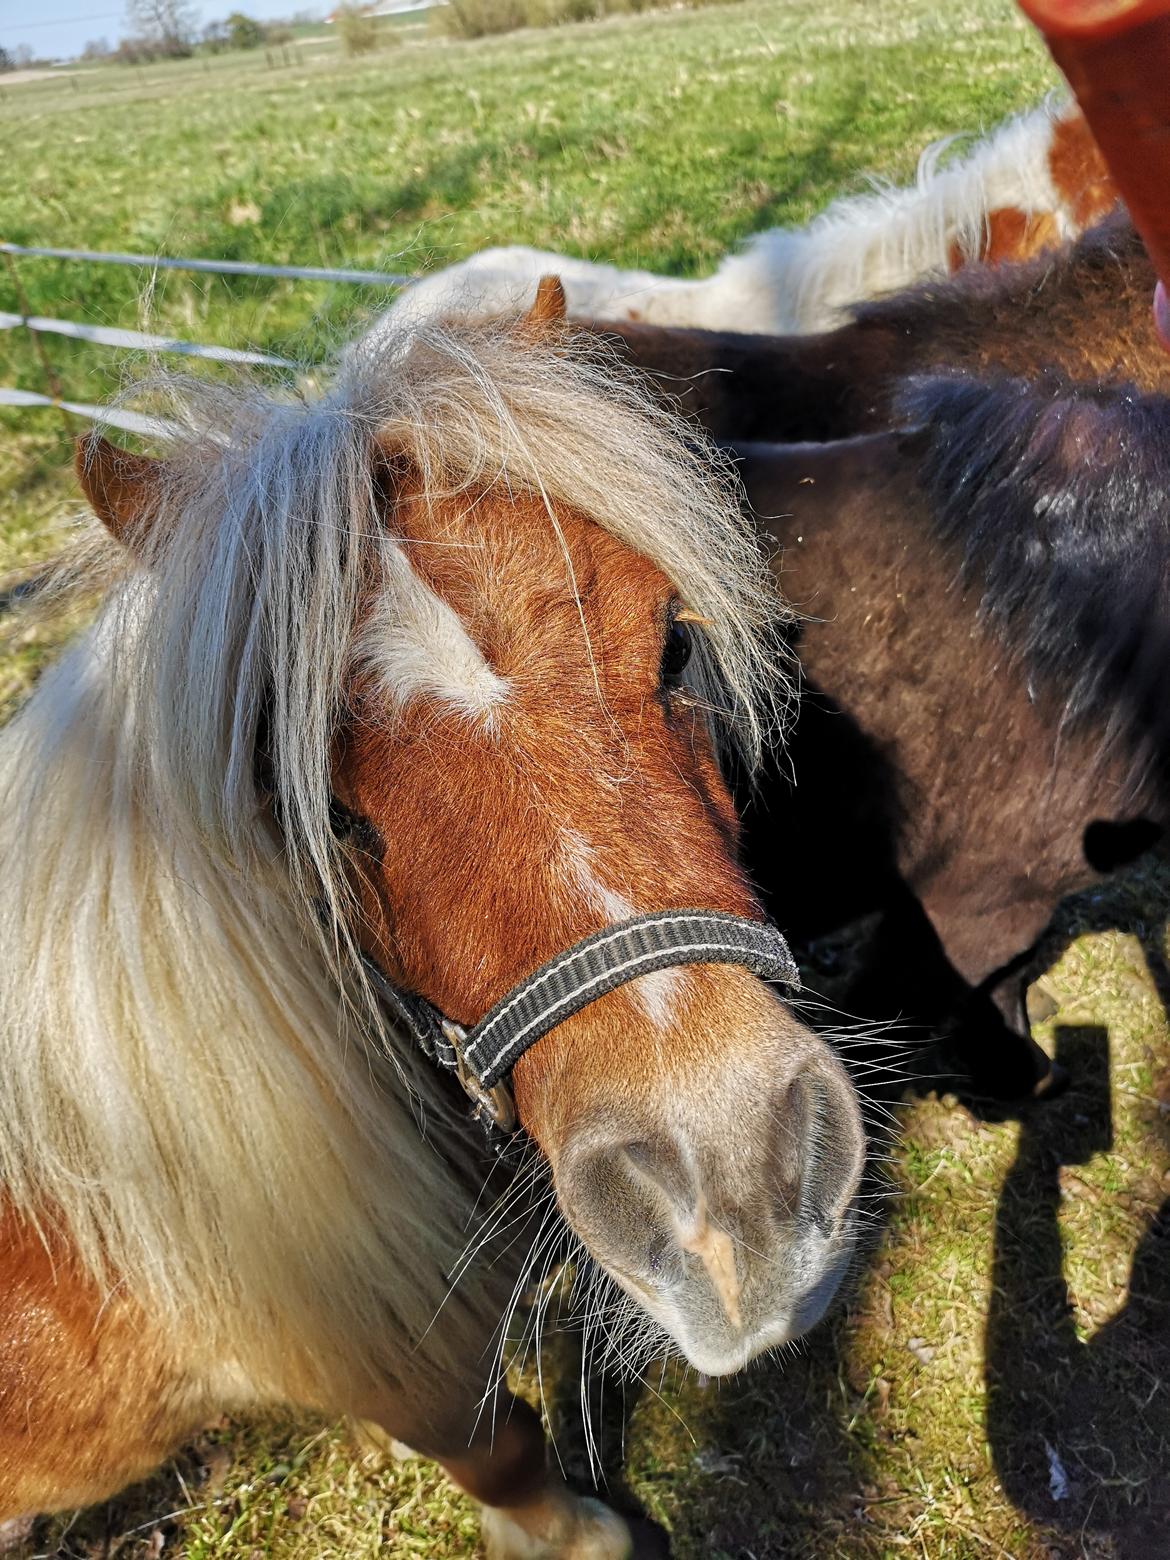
(188, 1091)
(805, 279)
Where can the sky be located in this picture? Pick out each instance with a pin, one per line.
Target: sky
(56, 28)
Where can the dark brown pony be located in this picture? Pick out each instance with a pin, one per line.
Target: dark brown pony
(1083, 311)
(961, 800)
(984, 727)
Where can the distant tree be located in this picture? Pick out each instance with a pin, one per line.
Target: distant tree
(214, 38)
(357, 29)
(96, 49)
(244, 32)
(6, 60)
(23, 56)
(169, 26)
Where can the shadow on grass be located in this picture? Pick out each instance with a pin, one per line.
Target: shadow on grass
(1079, 1432)
(779, 1463)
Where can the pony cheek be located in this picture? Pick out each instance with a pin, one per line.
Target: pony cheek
(552, 1083)
(537, 1081)
(589, 1070)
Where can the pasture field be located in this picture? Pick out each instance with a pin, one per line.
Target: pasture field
(998, 1382)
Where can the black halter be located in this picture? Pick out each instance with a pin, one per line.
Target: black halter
(480, 1057)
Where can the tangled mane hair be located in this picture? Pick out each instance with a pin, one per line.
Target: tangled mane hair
(876, 244)
(1056, 496)
(187, 1089)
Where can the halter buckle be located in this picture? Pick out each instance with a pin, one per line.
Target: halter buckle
(495, 1103)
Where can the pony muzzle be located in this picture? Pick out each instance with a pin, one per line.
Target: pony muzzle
(733, 1224)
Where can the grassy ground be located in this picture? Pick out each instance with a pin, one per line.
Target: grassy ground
(652, 140)
(997, 1385)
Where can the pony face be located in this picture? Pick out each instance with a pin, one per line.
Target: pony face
(454, 598)
(528, 766)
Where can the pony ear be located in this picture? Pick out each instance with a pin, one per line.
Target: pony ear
(122, 488)
(549, 308)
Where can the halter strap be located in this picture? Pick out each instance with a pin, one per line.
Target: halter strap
(480, 1057)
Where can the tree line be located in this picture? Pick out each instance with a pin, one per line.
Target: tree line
(170, 30)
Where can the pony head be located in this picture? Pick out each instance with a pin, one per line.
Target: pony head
(448, 653)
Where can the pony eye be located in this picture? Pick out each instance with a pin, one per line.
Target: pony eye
(676, 652)
(350, 828)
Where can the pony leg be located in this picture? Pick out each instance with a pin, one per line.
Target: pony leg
(992, 1034)
(529, 1513)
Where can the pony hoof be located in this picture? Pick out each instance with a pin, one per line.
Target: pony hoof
(571, 1528)
(604, 1535)
(372, 1441)
(15, 1531)
(1053, 1084)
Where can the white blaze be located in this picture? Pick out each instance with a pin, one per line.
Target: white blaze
(657, 993)
(413, 645)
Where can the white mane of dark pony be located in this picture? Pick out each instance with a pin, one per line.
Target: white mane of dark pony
(793, 280)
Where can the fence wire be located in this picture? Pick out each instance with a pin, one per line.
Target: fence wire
(308, 273)
(147, 341)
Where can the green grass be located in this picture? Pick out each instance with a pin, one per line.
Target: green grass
(658, 140)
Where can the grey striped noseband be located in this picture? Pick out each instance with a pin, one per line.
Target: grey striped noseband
(481, 1057)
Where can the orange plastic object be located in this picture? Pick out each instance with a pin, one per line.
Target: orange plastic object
(1116, 55)
(1090, 18)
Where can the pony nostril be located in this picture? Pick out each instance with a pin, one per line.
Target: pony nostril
(832, 1146)
(664, 1260)
(625, 1200)
(661, 1163)
(787, 1145)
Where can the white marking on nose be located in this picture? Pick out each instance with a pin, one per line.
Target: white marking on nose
(715, 1251)
(657, 993)
(414, 645)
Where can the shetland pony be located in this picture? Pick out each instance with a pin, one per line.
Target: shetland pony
(985, 639)
(398, 673)
(1084, 311)
(1036, 182)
